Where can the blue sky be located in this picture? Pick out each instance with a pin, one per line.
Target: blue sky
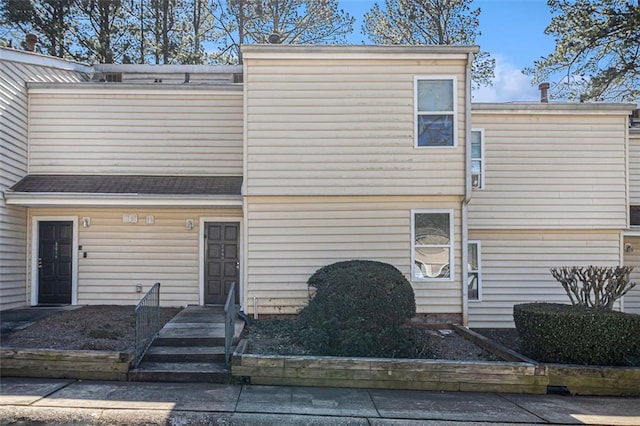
(512, 32)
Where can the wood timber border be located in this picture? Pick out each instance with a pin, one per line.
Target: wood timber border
(517, 374)
(54, 363)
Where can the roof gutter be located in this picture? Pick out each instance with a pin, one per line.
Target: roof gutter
(60, 199)
(468, 190)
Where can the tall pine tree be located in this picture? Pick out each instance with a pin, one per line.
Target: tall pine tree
(597, 51)
(429, 22)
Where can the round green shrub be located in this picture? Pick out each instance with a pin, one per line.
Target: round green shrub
(359, 308)
(577, 335)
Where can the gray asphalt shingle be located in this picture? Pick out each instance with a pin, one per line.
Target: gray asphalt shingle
(119, 184)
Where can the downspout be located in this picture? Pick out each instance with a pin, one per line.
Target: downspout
(627, 154)
(244, 263)
(467, 193)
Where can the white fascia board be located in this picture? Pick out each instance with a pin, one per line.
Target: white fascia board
(32, 58)
(168, 69)
(234, 89)
(551, 108)
(33, 199)
(275, 51)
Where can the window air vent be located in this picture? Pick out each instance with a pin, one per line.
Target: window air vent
(113, 77)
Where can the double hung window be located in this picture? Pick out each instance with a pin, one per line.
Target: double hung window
(432, 252)
(477, 158)
(435, 112)
(474, 280)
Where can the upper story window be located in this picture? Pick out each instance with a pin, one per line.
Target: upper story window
(435, 111)
(477, 158)
(432, 245)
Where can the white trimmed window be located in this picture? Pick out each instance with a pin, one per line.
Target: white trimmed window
(474, 280)
(477, 158)
(435, 111)
(432, 245)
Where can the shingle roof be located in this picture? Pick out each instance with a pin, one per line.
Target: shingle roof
(118, 184)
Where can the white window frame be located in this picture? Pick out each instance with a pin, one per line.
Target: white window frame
(451, 244)
(478, 243)
(417, 113)
(481, 158)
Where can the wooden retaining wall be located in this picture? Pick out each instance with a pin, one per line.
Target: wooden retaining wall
(473, 376)
(52, 363)
(595, 380)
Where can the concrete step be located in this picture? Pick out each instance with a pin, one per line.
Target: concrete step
(180, 372)
(185, 354)
(194, 334)
(190, 341)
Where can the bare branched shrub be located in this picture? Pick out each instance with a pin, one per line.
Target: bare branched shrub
(594, 286)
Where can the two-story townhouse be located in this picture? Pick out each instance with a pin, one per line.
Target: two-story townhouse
(186, 176)
(356, 153)
(553, 193)
(120, 176)
(15, 69)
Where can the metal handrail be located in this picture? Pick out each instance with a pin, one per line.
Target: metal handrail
(229, 322)
(147, 322)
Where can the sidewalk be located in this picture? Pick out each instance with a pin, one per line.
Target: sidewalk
(60, 401)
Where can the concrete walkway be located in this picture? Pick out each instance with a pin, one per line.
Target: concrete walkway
(59, 401)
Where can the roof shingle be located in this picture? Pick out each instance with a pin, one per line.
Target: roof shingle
(119, 184)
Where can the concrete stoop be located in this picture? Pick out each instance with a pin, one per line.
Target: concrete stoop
(189, 348)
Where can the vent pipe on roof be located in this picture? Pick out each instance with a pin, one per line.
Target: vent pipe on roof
(275, 38)
(31, 40)
(544, 95)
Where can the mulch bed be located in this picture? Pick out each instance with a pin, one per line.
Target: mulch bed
(95, 327)
(273, 337)
(505, 336)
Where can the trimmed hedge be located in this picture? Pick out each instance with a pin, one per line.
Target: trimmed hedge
(569, 334)
(359, 308)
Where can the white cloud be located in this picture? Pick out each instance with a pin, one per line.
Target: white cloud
(509, 84)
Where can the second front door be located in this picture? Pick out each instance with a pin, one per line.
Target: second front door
(221, 261)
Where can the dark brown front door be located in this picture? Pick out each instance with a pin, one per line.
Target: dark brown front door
(55, 261)
(221, 261)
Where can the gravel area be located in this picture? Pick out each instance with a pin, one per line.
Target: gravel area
(271, 337)
(95, 327)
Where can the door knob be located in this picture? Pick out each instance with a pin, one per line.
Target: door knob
(39, 263)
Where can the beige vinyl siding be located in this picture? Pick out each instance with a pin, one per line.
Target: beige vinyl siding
(153, 131)
(634, 167)
(327, 126)
(632, 299)
(515, 268)
(13, 167)
(551, 170)
(289, 238)
(121, 255)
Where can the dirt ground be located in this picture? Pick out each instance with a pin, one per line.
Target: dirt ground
(272, 339)
(96, 327)
(108, 327)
